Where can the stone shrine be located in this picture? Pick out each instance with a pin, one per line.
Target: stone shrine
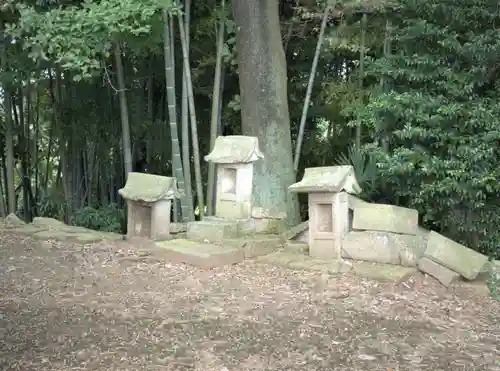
(234, 156)
(149, 204)
(328, 207)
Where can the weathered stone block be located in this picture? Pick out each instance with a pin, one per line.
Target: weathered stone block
(454, 256)
(385, 248)
(262, 226)
(441, 273)
(385, 218)
(13, 221)
(292, 233)
(212, 230)
(202, 255)
(255, 246)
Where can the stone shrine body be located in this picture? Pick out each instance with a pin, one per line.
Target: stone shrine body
(149, 204)
(328, 207)
(234, 156)
(235, 215)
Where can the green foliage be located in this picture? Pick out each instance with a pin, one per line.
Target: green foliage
(365, 168)
(79, 37)
(50, 205)
(109, 218)
(441, 117)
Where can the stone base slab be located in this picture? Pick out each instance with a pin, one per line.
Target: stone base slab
(212, 230)
(441, 273)
(254, 246)
(202, 255)
(454, 256)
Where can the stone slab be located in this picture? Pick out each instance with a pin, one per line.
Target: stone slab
(294, 231)
(384, 247)
(202, 255)
(383, 272)
(212, 230)
(385, 218)
(304, 262)
(441, 273)
(296, 247)
(454, 256)
(255, 245)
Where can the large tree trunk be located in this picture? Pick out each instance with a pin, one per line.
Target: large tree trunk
(264, 103)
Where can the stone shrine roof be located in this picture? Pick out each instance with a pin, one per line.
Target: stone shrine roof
(235, 149)
(149, 188)
(327, 179)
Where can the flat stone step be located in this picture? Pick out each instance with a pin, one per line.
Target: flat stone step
(202, 255)
(212, 230)
(256, 245)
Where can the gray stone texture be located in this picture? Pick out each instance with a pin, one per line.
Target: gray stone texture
(327, 179)
(293, 232)
(454, 256)
(149, 188)
(212, 230)
(255, 245)
(202, 255)
(235, 149)
(385, 218)
(385, 248)
(441, 273)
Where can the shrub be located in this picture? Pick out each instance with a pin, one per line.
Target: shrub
(109, 218)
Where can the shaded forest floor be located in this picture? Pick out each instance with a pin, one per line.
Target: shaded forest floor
(112, 306)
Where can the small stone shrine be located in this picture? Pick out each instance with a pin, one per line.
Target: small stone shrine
(149, 203)
(328, 207)
(234, 156)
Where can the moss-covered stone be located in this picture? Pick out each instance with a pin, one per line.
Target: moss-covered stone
(328, 179)
(235, 149)
(13, 221)
(254, 246)
(149, 188)
(27, 229)
(52, 229)
(200, 254)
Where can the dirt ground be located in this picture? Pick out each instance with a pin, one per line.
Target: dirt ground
(113, 307)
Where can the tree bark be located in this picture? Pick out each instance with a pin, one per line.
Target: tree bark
(9, 131)
(216, 103)
(127, 147)
(264, 103)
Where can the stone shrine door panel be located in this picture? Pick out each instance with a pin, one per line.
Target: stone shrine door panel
(234, 191)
